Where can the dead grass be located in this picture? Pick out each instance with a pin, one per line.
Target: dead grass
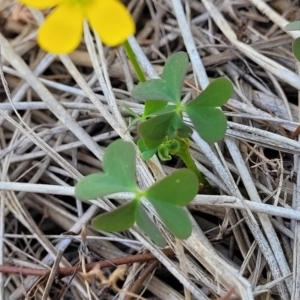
(57, 115)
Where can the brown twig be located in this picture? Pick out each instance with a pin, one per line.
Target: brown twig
(63, 272)
(142, 277)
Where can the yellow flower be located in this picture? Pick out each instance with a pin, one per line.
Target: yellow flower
(62, 30)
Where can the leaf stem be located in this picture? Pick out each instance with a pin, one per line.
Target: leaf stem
(131, 56)
(185, 155)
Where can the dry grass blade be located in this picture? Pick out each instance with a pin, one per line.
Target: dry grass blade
(59, 113)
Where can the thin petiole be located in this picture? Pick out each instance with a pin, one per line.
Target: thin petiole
(131, 56)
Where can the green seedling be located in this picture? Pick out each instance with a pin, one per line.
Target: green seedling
(167, 196)
(162, 128)
(293, 26)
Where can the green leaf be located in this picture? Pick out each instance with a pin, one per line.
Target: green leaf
(175, 219)
(152, 106)
(148, 151)
(119, 176)
(146, 155)
(178, 127)
(98, 185)
(169, 87)
(164, 153)
(210, 122)
(166, 109)
(145, 223)
(179, 188)
(152, 144)
(174, 146)
(118, 220)
(184, 131)
(157, 127)
(293, 26)
(153, 89)
(216, 94)
(119, 161)
(174, 72)
(296, 48)
(141, 145)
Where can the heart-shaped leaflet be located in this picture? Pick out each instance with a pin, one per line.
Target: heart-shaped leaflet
(118, 176)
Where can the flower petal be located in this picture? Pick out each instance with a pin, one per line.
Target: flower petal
(111, 20)
(62, 31)
(40, 4)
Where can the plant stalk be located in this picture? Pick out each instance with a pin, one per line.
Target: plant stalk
(131, 56)
(185, 155)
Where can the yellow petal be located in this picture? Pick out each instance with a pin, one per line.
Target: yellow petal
(62, 31)
(111, 21)
(40, 4)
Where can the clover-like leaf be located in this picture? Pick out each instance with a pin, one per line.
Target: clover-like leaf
(145, 223)
(174, 72)
(119, 161)
(118, 220)
(296, 48)
(169, 87)
(175, 219)
(184, 131)
(146, 155)
(152, 106)
(210, 122)
(119, 176)
(153, 89)
(179, 188)
(293, 26)
(152, 144)
(216, 94)
(164, 153)
(98, 185)
(157, 127)
(174, 146)
(148, 148)
(168, 108)
(178, 127)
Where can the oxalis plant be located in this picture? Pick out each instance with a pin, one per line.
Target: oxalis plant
(167, 196)
(293, 26)
(162, 127)
(163, 130)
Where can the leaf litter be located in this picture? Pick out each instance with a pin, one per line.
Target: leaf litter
(73, 110)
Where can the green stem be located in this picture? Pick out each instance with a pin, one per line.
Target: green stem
(131, 56)
(185, 155)
(189, 162)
